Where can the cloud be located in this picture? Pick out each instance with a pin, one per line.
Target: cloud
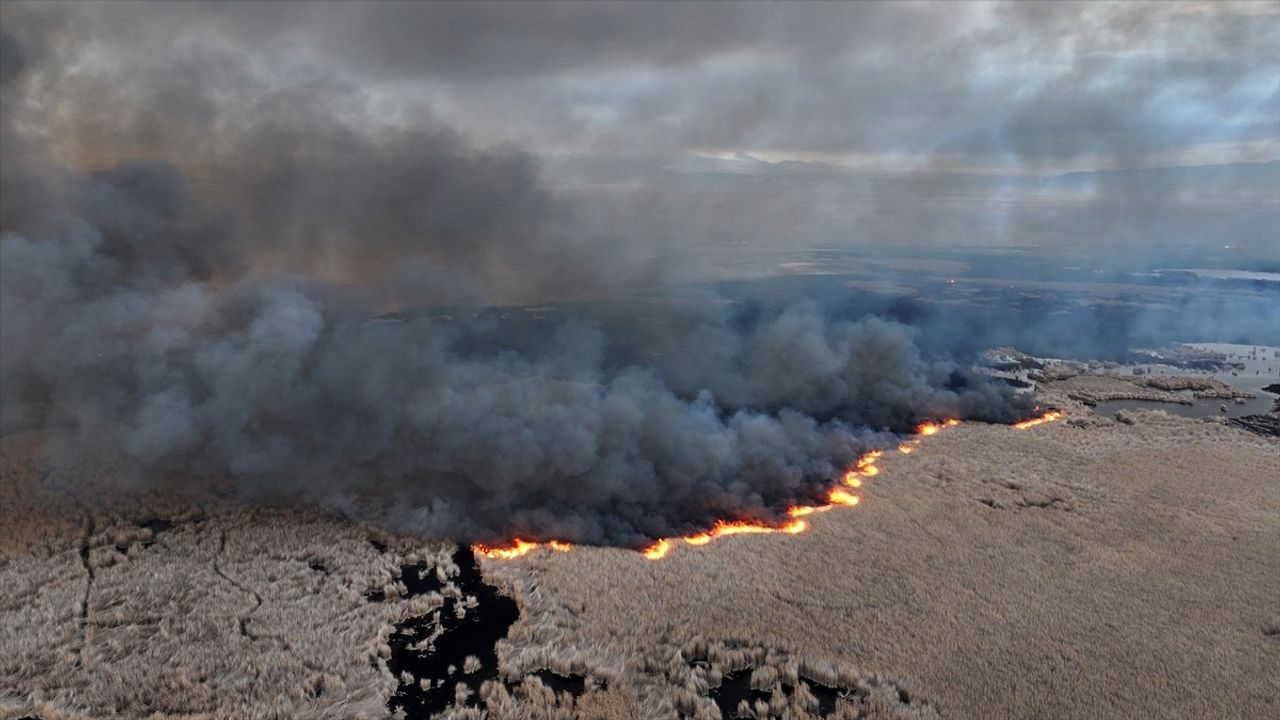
(1003, 84)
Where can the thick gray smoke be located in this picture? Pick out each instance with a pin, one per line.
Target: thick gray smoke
(201, 307)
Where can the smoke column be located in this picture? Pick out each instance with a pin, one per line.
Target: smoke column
(209, 311)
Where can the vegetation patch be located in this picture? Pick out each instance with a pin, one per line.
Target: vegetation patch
(737, 680)
(443, 657)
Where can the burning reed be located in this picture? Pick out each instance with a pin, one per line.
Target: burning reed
(865, 466)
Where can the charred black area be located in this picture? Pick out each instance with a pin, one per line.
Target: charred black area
(156, 525)
(827, 696)
(439, 663)
(433, 648)
(418, 579)
(735, 687)
(1265, 425)
(574, 685)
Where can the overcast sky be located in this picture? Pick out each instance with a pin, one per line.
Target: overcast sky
(1046, 85)
(624, 95)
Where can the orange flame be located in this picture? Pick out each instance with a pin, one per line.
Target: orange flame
(865, 466)
(795, 527)
(739, 527)
(517, 548)
(797, 511)
(657, 550)
(840, 497)
(931, 428)
(1032, 422)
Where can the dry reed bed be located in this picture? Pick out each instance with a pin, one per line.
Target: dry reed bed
(1085, 568)
(225, 613)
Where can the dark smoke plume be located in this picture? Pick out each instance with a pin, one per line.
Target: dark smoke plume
(203, 308)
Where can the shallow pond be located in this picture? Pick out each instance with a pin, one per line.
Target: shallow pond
(1200, 407)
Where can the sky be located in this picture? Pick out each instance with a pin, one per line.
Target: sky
(676, 124)
(1046, 87)
(674, 127)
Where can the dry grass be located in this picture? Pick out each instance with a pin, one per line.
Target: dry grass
(218, 612)
(1085, 568)
(1080, 569)
(228, 613)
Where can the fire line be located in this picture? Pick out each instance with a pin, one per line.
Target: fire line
(864, 467)
(1049, 416)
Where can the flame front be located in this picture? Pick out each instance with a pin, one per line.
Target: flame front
(799, 511)
(841, 497)
(931, 428)
(740, 527)
(657, 551)
(1049, 416)
(518, 548)
(865, 466)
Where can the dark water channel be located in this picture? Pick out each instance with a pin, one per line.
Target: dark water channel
(735, 687)
(441, 662)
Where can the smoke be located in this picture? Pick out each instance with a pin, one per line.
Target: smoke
(263, 383)
(220, 329)
(199, 301)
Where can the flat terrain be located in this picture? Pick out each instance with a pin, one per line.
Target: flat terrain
(1087, 568)
(1061, 571)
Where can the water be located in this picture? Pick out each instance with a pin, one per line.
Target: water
(442, 666)
(1261, 369)
(1199, 408)
(1261, 365)
(735, 687)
